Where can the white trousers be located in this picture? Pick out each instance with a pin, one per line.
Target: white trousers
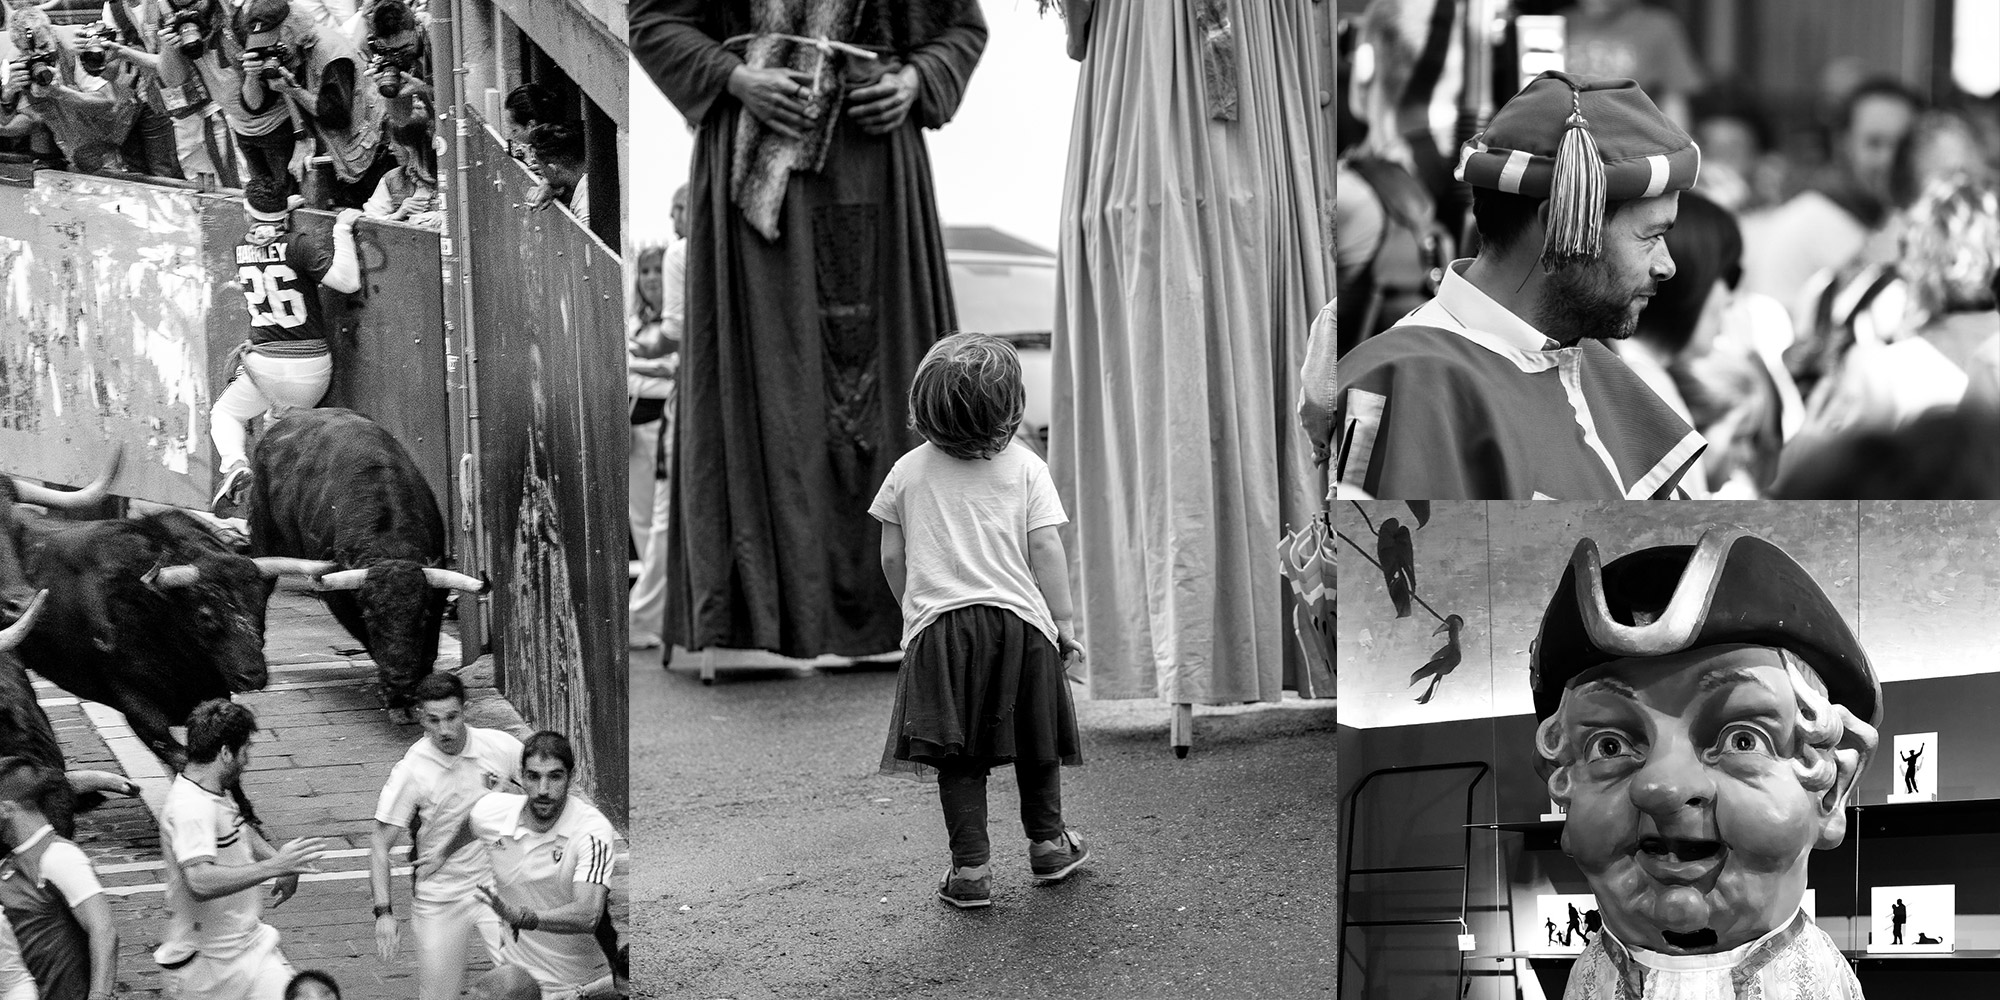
(258, 972)
(441, 932)
(288, 381)
(647, 502)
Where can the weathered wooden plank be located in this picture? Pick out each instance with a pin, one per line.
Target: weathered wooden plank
(548, 326)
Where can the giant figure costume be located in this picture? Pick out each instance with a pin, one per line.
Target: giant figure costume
(1704, 715)
(815, 283)
(1193, 263)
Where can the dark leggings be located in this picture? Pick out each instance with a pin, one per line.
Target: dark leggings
(962, 790)
(269, 157)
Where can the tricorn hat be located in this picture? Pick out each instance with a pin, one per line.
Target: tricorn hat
(1579, 143)
(1731, 587)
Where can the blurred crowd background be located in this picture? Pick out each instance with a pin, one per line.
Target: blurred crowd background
(1832, 327)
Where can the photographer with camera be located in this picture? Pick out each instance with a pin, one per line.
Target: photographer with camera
(399, 62)
(203, 91)
(88, 117)
(116, 50)
(316, 70)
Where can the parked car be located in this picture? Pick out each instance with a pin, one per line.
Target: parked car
(1005, 286)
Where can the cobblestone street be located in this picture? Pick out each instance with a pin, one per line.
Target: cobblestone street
(325, 748)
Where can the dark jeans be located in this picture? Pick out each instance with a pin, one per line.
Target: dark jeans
(269, 157)
(962, 790)
(151, 147)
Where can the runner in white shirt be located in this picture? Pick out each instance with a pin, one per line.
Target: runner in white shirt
(552, 857)
(429, 794)
(15, 983)
(50, 894)
(217, 946)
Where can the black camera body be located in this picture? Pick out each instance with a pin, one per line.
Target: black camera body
(274, 61)
(378, 63)
(90, 41)
(187, 27)
(41, 65)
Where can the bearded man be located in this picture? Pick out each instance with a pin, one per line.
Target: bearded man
(1704, 714)
(1501, 387)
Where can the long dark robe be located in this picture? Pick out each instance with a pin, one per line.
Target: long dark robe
(798, 353)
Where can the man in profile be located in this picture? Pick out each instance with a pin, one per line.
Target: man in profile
(1501, 387)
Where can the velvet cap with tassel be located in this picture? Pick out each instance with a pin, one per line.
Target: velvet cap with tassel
(1581, 144)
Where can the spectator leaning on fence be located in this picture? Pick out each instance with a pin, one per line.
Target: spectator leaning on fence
(408, 193)
(559, 159)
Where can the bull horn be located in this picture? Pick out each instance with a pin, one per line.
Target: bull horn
(13, 635)
(347, 579)
(164, 577)
(455, 580)
(89, 496)
(276, 566)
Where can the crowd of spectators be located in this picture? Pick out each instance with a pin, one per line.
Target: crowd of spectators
(331, 99)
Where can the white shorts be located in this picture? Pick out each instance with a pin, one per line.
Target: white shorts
(258, 972)
(441, 931)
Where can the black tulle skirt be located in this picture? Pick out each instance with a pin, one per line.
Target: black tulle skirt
(980, 686)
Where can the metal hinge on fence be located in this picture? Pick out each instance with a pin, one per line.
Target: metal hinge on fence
(465, 492)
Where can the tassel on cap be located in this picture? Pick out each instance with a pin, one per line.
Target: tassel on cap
(1576, 195)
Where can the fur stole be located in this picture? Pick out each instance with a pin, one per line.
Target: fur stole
(763, 161)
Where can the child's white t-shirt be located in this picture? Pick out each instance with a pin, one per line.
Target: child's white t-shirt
(965, 532)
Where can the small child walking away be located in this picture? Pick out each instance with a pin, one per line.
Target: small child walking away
(971, 550)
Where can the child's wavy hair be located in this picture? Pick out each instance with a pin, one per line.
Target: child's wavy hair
(967, 397)
(1833, 743)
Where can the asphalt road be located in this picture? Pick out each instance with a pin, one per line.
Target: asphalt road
(770, 861)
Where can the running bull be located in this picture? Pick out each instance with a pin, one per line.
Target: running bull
(331, 484)
(150, 616)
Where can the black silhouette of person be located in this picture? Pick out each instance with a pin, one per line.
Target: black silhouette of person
(1552, 932)
(1910, 768)
(1593, 922)
(1898, 916)
(1575, 926)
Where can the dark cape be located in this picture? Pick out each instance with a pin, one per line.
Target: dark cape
(799, 351)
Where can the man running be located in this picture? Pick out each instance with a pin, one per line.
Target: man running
(51, 894)
(429, 794)
(281, 265)
(217, 946)
(552, 857)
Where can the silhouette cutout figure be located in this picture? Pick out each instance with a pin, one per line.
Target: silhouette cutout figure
(1552, 932)
(1574, 928)
(1593, 922)
(1442, 662)
(1927, 939)
(1399, 563)
(1910, 767)
(1898, 916)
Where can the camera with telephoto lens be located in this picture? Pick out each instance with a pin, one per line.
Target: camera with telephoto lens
(382, 59)
(273, 56)
(41, 66)
(90, 40)
(188, 29)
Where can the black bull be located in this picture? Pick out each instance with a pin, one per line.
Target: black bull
(331, 484)
(24, 728)
(150, 616)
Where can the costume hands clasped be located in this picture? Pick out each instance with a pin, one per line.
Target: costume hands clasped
(882, 106)
(777, 97)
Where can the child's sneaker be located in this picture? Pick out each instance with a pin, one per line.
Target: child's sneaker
(967, 891)
(1055, 860)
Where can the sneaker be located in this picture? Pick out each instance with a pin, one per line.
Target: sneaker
(965, 892)
(230, 495)
(1053, 864)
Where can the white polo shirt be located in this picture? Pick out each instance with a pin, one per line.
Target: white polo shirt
(542, 871)
(437, 791)
(196, 823)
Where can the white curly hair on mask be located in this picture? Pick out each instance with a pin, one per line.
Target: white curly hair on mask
(1832, 744)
